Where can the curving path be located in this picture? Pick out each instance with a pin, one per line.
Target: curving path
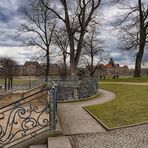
(75, 120)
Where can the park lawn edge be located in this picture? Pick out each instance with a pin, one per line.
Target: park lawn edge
(113, 128)
(103, 123)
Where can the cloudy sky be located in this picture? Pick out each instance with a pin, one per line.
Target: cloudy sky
(12, 45)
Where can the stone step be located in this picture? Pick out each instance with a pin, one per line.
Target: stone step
(38, 146)
(55, 142)
(59, 142)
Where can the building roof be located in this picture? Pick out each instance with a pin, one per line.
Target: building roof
(27, 63)
(109, 66)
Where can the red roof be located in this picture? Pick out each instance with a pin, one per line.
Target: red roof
(108, 66)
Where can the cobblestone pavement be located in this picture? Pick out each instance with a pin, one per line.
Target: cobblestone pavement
(132, 137)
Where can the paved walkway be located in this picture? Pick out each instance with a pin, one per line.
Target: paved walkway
(132, 137)
(75, 120)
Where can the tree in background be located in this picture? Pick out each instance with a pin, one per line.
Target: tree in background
(93, 53)
(40, 26)
(62, 42)
(75, 16)
(134, 29)
(8, 71)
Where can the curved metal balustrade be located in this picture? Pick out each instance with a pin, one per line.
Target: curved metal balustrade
(27, 116)
(76, 88)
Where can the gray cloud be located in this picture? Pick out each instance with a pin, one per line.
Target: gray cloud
(10, 20)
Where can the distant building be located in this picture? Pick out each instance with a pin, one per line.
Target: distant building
(30, 68)
(35, 69)
(111, 69)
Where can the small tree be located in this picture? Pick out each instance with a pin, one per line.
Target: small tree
(40, 25)
(93, 53)
(62, 41)
(8, 70)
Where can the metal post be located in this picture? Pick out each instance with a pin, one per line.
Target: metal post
(53, 106)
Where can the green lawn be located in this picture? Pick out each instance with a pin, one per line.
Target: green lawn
(19, 82)
(126, 79)
(129, 107)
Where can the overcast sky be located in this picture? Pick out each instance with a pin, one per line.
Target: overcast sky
(12, 45)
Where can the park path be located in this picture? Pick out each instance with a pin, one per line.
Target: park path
(75, 120)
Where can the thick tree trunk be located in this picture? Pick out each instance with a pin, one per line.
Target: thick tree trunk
(142, 40)
(72, 56)
(137, 72)
(139, 56)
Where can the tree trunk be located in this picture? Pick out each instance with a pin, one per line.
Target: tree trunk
(143, 35)
(79, 49)
(65, 67)
(137, 72)
(47, 65)
(139, 56)
(11, 82)
(92, 65)
(72, 57)
(5, 83)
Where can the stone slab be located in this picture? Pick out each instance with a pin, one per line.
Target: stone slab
(38, 146)
(59, 142)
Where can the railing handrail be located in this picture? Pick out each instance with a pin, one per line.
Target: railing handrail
(53, 83)
(24, 98)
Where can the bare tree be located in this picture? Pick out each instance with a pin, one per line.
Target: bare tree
(134, 29)
(76, 17)
(8, 70)
(40, 26)
(93, 53)
(62, 41)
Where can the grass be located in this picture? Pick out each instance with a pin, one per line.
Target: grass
(126, 79)
(129, 107)
(19, 81)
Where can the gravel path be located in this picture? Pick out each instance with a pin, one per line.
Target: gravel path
(75, 120)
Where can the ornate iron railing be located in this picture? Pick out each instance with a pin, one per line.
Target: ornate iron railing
(28, 116)
(76, 88)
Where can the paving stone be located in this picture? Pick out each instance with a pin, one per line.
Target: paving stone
(59, 142)
(132, 137)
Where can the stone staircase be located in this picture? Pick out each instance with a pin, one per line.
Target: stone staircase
(38, 146)
(29, 120)
(54, 142)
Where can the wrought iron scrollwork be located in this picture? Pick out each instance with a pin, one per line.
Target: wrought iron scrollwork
(23, 118)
